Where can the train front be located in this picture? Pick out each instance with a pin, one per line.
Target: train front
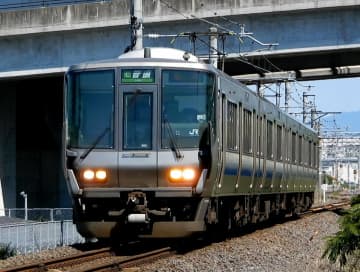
(137, 145)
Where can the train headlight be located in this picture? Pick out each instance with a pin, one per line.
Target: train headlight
(90, 175)
(189, 174)
(175, 174)
(186, 175)
(100, 175)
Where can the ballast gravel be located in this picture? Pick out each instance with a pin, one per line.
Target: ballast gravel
(290, 246)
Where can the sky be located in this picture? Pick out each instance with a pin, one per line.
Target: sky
(337, 102)
(338, 95)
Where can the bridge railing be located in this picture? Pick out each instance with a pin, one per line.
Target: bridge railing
(29, 4)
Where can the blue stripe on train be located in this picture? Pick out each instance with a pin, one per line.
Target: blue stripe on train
(246, 172)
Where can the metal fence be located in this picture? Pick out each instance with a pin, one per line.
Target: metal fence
(33, 237)
(39, 214)
(28, 4)
(44, 229)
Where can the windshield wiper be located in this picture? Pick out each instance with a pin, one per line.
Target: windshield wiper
(94, 144)
(173, 145)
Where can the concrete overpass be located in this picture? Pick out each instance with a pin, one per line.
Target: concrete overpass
(310, 34)
(37, 45)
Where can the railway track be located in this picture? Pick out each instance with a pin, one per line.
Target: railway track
(95, 260)
(105, 259)
(329, 206)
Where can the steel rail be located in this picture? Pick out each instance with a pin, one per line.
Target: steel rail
(118, 263)
(329, 206)
(62, 261)
(81, 262)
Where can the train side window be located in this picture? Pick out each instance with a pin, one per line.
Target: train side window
(247, 131)
(260, 132)
(279, 143)
(231, 126)
(315, 156)
(305, 152)
(310, 162)
(289, 146)
(293, 147)
(269, 140)
(301, 151)
(309, 144)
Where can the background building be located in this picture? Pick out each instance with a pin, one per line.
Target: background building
(340, 153)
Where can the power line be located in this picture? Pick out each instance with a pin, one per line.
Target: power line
(174, 9)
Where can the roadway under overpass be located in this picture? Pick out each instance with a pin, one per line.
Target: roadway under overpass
(37, 45)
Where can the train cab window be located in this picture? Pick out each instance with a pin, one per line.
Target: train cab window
(90, 105)
(231, 126)
(187, 107)
(137, 121)
(247, 130)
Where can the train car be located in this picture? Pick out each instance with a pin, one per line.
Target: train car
(160, 144)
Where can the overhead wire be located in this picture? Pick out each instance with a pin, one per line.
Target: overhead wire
(241, 58)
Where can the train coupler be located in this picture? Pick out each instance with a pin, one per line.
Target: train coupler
(137, 208)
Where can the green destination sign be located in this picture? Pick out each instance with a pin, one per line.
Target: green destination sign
(138, 76)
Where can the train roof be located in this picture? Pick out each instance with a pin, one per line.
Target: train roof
(148, 56)
(160, 53)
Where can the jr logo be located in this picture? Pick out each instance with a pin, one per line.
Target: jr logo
(194, 132)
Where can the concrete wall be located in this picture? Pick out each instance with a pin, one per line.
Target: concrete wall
(95, 36)
(8, 142)
(116, 13)
(30, 142)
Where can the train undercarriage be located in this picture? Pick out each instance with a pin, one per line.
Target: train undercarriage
(143, 215)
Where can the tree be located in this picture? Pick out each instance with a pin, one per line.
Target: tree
(345, 244)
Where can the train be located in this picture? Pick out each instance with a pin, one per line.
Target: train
(158, 143)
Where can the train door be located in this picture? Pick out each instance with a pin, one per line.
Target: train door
(258, 161)
(137, 161)
(221, 135)
(247, 151)
(231, 150)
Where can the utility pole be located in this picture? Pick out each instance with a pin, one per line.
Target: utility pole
(305, 104)
(260, 89)
(312, 118)
(213, 50)
(287, 96)
(277, 95)
(136, 26)
(25, 196)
